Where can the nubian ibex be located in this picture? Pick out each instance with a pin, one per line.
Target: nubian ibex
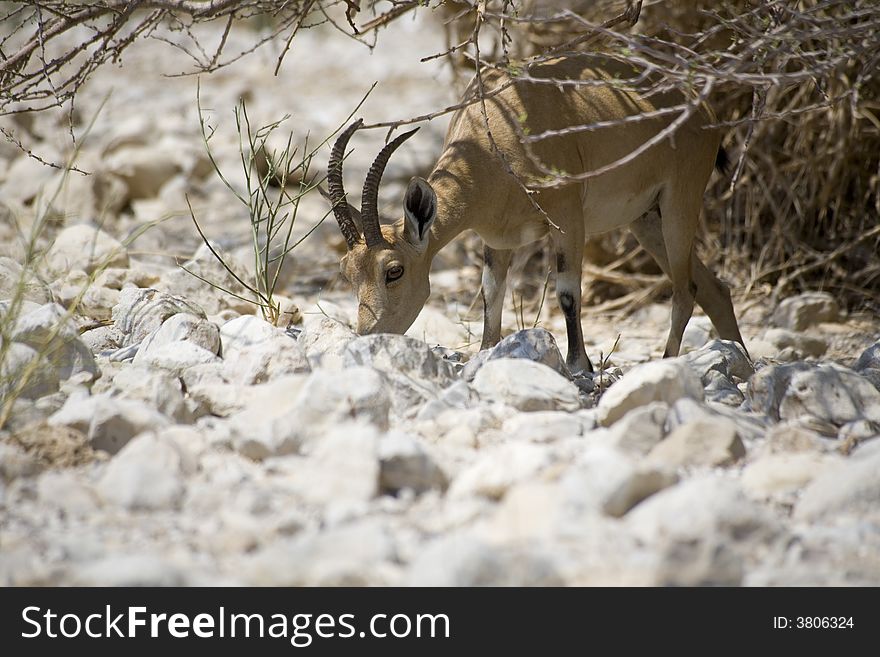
(657, 194)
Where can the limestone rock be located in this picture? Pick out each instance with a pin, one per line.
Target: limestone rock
(406, 464)
(700, 443)
(142, 311)
(148, 473)
(108, 422)
(526, 385)
(535, 344)
(664, 380)
(84, 247)
(806, 310)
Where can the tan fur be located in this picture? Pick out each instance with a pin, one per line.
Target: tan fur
(474, 191)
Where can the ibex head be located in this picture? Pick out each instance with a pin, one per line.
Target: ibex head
(387, 265)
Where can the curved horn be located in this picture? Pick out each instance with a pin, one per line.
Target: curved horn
(370, 197)
(337, 191)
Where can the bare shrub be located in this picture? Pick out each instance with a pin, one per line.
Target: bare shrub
(795, 82)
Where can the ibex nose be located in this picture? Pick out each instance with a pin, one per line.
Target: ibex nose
(367, 320)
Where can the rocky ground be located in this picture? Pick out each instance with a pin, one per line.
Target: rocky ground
(168, 435)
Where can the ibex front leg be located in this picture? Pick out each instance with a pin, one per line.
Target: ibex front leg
(495, 266)
(569, 250)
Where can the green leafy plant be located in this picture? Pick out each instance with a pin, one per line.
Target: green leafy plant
(276, 180)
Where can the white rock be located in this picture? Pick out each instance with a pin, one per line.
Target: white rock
(701, 531)
(413, 371)
(86, 248)
(799, 345)
(526, 385)
(663, 380)
(156, 388)
(209, 386)
(465, 428)
(144, 169)
(406, 464)
(722, 356)
(750, 426)
(15, 462)
(176, 357)
(133, 129)
(496, 470)
(131, 570)
(722, 390)
(141, 311)
(148, 473)
(535, 344)
(293, 410)
(324, 341)
(279, 356)
(696, 334)
(608, 481)
(69, 493)
(85, 197)
(342, 309)
(20, 309)
(108, 422)
(462, 560)
(828, 392)
(268, 425)
(859, 430)
(806, 310)
(103, 339)
(181, 327)
(327, 399)
(435, 327)
(868, 359)
(342, 468)
(700, 443)
(545, 426)
(783, 474)
(96, 302)
(539, 510)
(792, 437)
(843, 553)
(205, 267)
(357, 554)
(99, 194)
(636, 432)
(15, 280)
(246, 331)
(851, 489)
(401, 355)
(458, 396)
(25, 374)
(50, 331)
(27, 178)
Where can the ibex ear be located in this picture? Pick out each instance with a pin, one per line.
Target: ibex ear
(420, 210)
(356, 217)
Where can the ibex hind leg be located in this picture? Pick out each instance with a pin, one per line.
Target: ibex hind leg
(495, 266)
(569, 252)
(678, 220)
(712, 294)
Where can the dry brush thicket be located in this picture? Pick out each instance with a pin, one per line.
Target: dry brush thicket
(795, 83)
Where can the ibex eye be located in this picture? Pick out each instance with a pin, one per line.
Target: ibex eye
(393, 273)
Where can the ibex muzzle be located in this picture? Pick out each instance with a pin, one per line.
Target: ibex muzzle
(658, 195)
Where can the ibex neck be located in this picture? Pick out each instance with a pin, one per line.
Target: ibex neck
(452, 219)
